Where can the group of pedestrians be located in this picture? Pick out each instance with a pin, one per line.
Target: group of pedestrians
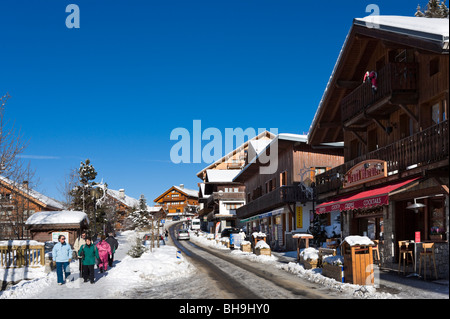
(88, 255)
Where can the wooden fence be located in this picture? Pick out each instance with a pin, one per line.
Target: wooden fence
(12, 256)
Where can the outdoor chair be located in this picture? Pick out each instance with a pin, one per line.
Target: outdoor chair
(404, 253)
(427, 252)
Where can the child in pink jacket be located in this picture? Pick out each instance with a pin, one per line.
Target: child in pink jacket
(104, 250)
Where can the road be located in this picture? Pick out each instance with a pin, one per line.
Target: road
(221, 275)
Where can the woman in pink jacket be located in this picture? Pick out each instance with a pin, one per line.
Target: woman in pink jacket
(104, 250)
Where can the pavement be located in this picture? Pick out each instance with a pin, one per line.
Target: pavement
(398, 285)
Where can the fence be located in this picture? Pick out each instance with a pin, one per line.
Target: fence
(21, 255)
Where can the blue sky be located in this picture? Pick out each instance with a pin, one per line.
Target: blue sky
(114, 89)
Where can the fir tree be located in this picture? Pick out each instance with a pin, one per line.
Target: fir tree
(138, 249)
(141, 218)
(434, 9)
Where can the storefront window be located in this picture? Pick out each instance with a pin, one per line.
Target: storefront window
(437, 217)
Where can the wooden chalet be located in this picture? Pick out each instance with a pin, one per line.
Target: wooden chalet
(178, 201)
(123, 205)
(279, 203)
(17, 203)
(396, 137)
(220, 197)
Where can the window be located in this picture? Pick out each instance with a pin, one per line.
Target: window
(434, 66)
(283, 178)
(437, 215)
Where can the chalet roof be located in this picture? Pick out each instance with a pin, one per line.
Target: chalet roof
(57, 217)
(429, 34)
(240, 148)
(43, 200)
(221, 175)
(125, 199)
(183, 190)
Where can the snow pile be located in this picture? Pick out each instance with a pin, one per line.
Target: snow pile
(262, 245)
(258, 234)
(334, 260)
(57, 217)
(358, 241)
(20, 243)
(309, 254)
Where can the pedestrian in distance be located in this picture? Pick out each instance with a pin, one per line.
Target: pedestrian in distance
(80, 241)
(166, 234)
(89, 254)
(114, 244)
(104, 251)
(62, 256)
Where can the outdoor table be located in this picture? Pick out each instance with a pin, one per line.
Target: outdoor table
(415, 244)
(306, 238)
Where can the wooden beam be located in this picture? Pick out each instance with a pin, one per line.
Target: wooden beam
(409, 112)
(359, 138)
(346, 84)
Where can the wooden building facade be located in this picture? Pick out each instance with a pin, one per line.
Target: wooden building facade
(280, 200)
(395, 133)
(178, 201)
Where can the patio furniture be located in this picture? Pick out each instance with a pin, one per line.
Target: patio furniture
(427, 252)
(404, 253)
(376, 251)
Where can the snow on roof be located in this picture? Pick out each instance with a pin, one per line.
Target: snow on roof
(48, 201)
(57, 217)
(420, 27)
(221, 175)
(127, 200)
(189, 192)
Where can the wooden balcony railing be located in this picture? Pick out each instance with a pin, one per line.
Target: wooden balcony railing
(238, 196)
(423, 148)
(393, 77)
(17, 256)
(280, 195)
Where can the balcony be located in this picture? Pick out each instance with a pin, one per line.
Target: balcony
(279, 196)
(237, 196)
(397, 84)
(419, 150)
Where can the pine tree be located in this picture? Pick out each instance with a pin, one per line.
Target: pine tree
(141, 218)
(138, 249)
(434, 9)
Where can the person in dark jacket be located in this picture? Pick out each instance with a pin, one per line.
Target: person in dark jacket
(114, 245)
(89, 255)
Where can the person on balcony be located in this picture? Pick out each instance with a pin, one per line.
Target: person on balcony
(372, 77)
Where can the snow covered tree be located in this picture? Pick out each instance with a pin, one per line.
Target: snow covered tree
(138, 249)
(434, 9)
(141, 218)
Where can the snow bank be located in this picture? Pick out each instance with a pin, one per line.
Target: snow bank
(258, 234)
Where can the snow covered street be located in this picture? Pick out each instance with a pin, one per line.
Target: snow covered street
(160, 266)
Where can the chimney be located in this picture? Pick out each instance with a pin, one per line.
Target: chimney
(122, 193)
(182, 186)
(25, 184)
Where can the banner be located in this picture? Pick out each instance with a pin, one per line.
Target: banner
(299, 217)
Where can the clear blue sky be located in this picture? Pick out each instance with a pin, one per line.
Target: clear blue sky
(114, 89)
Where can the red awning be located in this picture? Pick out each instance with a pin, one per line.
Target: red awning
(371, 198)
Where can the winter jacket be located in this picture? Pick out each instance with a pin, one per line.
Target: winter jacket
(113, 243)
(61, 252)
(90, 254)
(78, 243)
(104, 249)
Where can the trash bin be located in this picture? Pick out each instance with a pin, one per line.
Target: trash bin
(235, 238)
(358, 260)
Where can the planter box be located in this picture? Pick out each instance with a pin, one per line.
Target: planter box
(332, 271)
(436, 237)
(309, 263)
(263, 251)
(246, 248)
(226, 243)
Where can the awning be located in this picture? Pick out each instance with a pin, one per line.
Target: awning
(275, 212)
(372, 198)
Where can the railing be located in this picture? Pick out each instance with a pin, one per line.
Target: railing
(17, 256)
(280, 195)
(224, 196)
(423, 148)
(392, 77)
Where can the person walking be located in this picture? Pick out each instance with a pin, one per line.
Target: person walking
(89, 254)
(104, 250)
(114, 244)
(62, 255)
(80, 241)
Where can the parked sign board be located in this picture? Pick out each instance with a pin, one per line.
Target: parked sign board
(366, 171)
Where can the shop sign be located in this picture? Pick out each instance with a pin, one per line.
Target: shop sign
(366, 171)
(299, 211)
